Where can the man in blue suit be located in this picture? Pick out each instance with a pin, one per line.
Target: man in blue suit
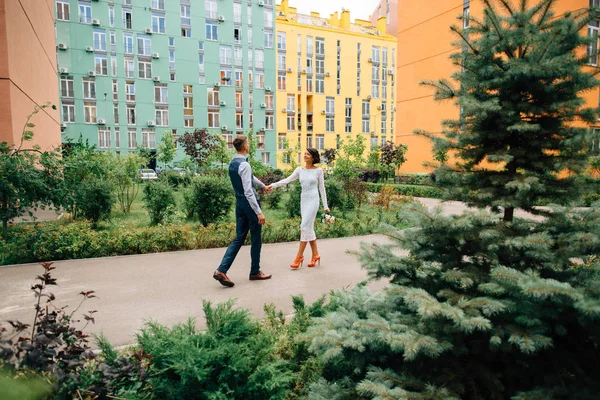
(249, 216)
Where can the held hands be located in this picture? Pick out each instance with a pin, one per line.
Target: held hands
(268, 188)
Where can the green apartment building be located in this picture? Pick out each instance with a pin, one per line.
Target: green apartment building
(131, 69)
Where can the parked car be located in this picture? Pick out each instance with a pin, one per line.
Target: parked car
(146, 174)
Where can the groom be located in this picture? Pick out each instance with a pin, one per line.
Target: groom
(249, 216)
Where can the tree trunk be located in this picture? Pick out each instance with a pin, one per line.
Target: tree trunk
(508, 214)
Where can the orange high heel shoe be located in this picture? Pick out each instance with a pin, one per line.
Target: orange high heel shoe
(298, 261)
(314, 260)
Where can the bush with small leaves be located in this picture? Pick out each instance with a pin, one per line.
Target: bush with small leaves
(95, 200)
(160, 201)
(212, 198)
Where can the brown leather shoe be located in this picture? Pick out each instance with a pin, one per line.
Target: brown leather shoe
(223, 279)
(261, 276)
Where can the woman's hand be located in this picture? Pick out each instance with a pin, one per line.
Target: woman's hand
(327, 210)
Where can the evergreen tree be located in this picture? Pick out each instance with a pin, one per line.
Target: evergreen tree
(486, 305)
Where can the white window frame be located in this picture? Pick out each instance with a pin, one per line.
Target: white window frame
(89, 113)
(148, 138)
(144, 69)
(63, 10)
(89, 89)
(85, 12)
(68, 113)
(103, 138)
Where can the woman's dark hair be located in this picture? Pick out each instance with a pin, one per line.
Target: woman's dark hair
(315, 155)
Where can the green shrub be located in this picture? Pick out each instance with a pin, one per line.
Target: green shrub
(174, 179)
(189, 204)
(213, 198)
(95, 200)
(590, 199)
(233, 359)
(414, 179)
(293, 203)
(335, 194)
(160, 201)
(409, 190)
(274, 198)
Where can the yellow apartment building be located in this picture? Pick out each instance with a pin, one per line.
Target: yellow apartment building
(335, 79)
(425, 43)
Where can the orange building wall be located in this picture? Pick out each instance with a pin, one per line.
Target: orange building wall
(424, 47)
(28, 70)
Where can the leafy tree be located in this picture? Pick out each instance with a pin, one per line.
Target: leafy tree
(258, 168)
(167, 148)
(350, 158)
(199, 145)
(222, 153)
(329, 156)
(94, 199)
(392, 157)
(487, 305)
(29, 177)
(290, 154)
(124, 175)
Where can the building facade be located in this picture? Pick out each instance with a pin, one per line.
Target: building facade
(129, 70)
(28, 71)
(335, 79)
(389, 10)
(425, 40)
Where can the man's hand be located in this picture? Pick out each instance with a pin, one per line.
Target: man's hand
(261, 219)
(268, 188)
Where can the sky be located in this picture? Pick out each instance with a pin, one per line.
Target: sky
(360, 9)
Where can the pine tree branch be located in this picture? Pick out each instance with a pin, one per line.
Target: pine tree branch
(505, 4)
(458, 31)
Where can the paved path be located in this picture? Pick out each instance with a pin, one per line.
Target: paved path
(170, 287)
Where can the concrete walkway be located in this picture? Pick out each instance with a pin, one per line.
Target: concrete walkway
(170, 287)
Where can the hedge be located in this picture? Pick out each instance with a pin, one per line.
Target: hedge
(49, 241)
(409, 190)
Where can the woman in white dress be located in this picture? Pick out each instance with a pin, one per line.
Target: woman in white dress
(312, 182)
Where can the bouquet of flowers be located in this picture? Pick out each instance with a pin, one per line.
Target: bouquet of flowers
(328, 219)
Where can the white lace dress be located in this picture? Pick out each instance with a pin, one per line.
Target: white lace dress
(312, 182)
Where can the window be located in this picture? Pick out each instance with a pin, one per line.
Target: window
(129, 68)
(375, 54)
(281, 82)
(101, 64)
(188, 122)
(226, 76)
(144, 69)
(239, 78)
(269, 122)
(250, 58)
(320, 43)
(592, 49)
(214, 119)
(373, 143)
(158, 4)
(113, 41)
(188, 106)
(210, 8)
(320, 85)
(111, 16)
(375, 90)
(85, 12)
(291, 122)
(239, 120)
(320, 142)
(171, 42)
(171, 60)
(116, 115)
(225, 55)
(237, 13)
(259, 59)
(268, 39)
(366, 116)
(144, 45)
(172, 77)
(132, 139)
(239, 99)
(266, 157)
(68, 113)
(250, 79)
(131, 114)
(309, 141)
(186, 32)
(162, 117)
(348, 115)
(161, 94)
(595, 142)
(251, 119)
(103, 138)
(99, 40)
(309, 45)
(281, 64)
(127, 18)
(130, 91)
(238, 56)
(320, 67)
(237, 34)
(117, 138)
(89, 88)
(128, 43)
(63, 10)
(280, 40)
(249, 15)
(384, 56)
(249, 35)
(269, 100)
(66, 87)
(148, 138)
(212, 31)
(281, 141)
(213, 97)
(89, 112)
(466, 13)
(268, 19)
(260, 80)
(158, 23)
(201, 63)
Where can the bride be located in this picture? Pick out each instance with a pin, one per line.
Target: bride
(311, 178)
